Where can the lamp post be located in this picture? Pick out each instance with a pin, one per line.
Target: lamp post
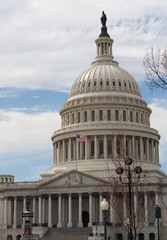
(27, 215)
(104, 207)
(157, 212)
(129, 182)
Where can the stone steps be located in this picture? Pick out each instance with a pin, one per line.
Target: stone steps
(67, 234)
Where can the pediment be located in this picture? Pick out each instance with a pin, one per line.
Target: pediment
(73, 178)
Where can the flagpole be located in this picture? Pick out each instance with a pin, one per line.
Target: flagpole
(76, 152)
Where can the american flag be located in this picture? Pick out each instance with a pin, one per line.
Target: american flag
(81, 138)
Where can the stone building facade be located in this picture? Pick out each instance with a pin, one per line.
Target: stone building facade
(106, 107)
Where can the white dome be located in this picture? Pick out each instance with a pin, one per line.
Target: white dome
(105, 77)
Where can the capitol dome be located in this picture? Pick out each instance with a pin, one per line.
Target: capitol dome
(106, 108)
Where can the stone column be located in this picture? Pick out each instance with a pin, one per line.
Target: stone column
(147, 150)
(5, 219)
(15, 214)
(114, 147)
(77, 149)
(81, 150)
(50, 211)
(69, 225)
(124, 207)
(59, 153)
(135, 205)
(111, 209)
(74, 149)
(69, 149)
(133, 153)
(95, 145)
(156, 198)
(59, 225)
(64, 150)
(80, 224)
(100, 211)
(156, 151)
(105, 147)
(40, 210)
(124, 146)
(152, 150)
(141, 148)
(24, 208)
(34, 209)
(43, 210)
(90, 210)
(146, 208)
(55, 153)
(86, 148)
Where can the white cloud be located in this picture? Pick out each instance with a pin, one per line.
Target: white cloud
(21, 132)
(46, 44)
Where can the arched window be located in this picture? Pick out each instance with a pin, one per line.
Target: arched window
(108, 115)
(100, 115)
(18, 237)
(151, 236)
(131, 116)
(101, 83)
(116, 115)
(124, 115)
(92, 149)
(119, 236)
(141, 236)
(113, 83)
(88, 84)
(118, 147)
(107, 83)
(85, 116)
(93, 115)
(94, 84)
(137, 117)
(119, 84)
(9, 237)
(66, 146)
(79, 117)
(109, 147)
(73, 118)
(101, 148)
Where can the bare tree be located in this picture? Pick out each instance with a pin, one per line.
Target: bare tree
(155, 66)
(134, 216)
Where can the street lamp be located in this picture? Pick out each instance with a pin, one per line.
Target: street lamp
(104, 207)
(157, 212)
(129, 182)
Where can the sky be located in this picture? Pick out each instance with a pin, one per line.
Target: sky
(44, 46)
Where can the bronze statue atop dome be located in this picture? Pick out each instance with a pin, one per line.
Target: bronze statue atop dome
(103, 19)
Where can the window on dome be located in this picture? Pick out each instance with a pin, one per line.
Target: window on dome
(108, 115)
(131, 116)
(79, 117)
(144, 147)
(85, 116)
(73, 118)
(142, 118)
(67, 119)
(78, 86)
(124, 115)
(88, 84)
(93, 115)
(100, 115)
(92, 149)
(107, 83)
(134, 86)
(113, 83)
(66, 147)
(129, 85)
(100, 148)
(116, 115)
(94, 84)
(83, 85)
(125, 84)
(137, 117)
(101, 83)
(109, 147)
(119, 84)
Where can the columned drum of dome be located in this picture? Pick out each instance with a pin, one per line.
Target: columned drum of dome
(105, 105)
